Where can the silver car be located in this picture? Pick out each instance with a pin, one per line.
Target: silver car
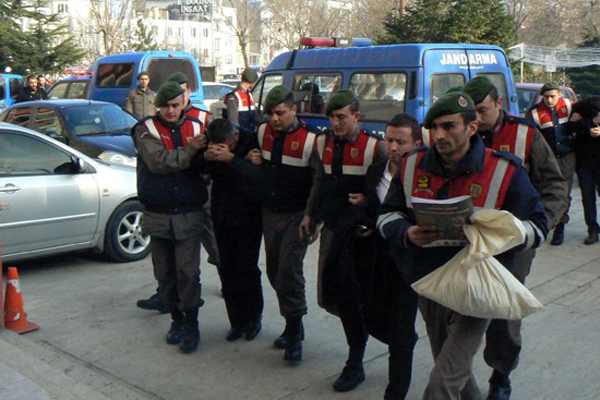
(54, 199)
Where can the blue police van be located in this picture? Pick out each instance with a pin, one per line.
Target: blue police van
(115, 75)
(10, 87)
(387, 79)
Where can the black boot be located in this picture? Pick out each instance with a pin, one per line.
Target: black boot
(153, 302)
(281, 341)
(253, 328)
(559, 235)
(191, 332)
(353, 373)
(499, 387)
(293, 340)
(175, 334)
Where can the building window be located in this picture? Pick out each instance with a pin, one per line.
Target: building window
(155, 30)
(229, 60)
(179, 32)
(205, 32)
(170, 31)
(217, 44)
(205, 53)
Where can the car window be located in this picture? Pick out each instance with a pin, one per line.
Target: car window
(15, 87)
(224, 90)
(26, 155)
(19, 116)
(260, 90)
(98, 120)
(161, 68)
(77, 90)
(115, 75)
(59, 90)
(525, 99)
(47, 122)
(499, 80)
(381, 95)
(311, 91)
(441, 83)
(210, 92)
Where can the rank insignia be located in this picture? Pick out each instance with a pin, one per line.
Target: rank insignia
(476, 190)
(563, 110)
(354, 152)
(505, 147)
(423, 182)
(295, 146)
(462, 102)
(189, 140)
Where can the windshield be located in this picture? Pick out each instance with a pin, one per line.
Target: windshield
(526, 98)
(98, 120)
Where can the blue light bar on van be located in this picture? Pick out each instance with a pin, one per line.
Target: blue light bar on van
(362, 42)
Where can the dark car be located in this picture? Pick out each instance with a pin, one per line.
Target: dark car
(528, 94)
(95, 128)
(73, 87)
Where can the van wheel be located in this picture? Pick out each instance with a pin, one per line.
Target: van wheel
(123, 239)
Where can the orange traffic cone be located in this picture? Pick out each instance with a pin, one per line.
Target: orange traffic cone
(14, 315)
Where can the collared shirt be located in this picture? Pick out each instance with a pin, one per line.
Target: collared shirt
(384, 183)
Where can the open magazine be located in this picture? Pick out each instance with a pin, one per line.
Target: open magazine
(449, 215)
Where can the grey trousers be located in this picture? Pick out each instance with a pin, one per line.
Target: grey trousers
(285, 255)
(503, 338)
(454, 339)
(567, 168)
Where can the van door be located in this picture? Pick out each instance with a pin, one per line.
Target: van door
(494, 65)
(443, 69)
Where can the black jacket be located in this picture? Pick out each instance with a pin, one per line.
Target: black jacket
(28, 94)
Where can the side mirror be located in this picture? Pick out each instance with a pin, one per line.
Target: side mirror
(78, 164)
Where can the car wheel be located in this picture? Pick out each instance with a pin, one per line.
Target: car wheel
(123, 240)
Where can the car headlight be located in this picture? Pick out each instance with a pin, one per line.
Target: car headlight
(117, 158)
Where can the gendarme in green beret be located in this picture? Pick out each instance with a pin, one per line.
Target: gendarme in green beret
(455, 89)
(249, 75)
(452, 103)
(168, 91)
(276, 96)
(142, 74)
(549, 86)
(178, 77)
(340, 99)
(479, 88)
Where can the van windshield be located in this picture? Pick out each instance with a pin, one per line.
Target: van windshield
(161, 68)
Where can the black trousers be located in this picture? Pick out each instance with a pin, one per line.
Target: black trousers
(239, 249)
(589, 183)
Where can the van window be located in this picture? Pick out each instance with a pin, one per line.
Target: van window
(381, 95)
(161, 68)
(15, 87)
(313, 91)
(499, 81)
(264, 86)
(115, 75)
(2, 91)
(77, 90)
(440, 83)
(58, 91)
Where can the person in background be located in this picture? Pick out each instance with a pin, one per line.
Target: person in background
(240, 109)
(42, 83)
(31, 92)
(140, 100)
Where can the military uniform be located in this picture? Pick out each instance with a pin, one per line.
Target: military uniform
(140, 102)
(494, 180)
(239, 104)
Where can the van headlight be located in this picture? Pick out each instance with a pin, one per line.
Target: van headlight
(117, 158)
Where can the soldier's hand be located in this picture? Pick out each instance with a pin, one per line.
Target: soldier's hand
(423, 235)
(255, 156)
(219, 152)
(357, 199)
(595, 132)
(199, 141)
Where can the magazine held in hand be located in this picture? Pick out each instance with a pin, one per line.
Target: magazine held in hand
(449, 215)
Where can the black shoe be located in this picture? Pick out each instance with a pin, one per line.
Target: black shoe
(234, 334)
(252, 329)
(191, 332)
(558, 236)
(281, 341)
(154, 302)
(592, 238)
(175, 334)
(349, 379)
(499, 392)
(293, 350)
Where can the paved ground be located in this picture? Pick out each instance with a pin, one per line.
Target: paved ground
(95, 344)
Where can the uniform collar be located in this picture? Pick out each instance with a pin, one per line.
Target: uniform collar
(471, 162)
(499, 123)
(139, 89)
(350, 139)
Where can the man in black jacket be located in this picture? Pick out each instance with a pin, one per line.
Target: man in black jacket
(172, 191)
(31, 92)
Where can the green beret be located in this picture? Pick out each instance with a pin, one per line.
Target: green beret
(455, 89)
(549, 86)
(276, 96)
(142, 74)
(340, 99)
(249, 75)
(168, 91)
(178, 77)
(452, 103)
(479, 88)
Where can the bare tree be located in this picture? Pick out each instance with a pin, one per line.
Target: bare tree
(109, 21)
(368, 16)
(245, 23)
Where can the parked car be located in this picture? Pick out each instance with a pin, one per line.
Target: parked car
(10, 87)
(73, 87)
(96, 128)
(528, 94)
(55, 199)
(232, 82)
(215, 91)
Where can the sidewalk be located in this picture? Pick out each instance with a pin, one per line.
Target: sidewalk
(95, 344)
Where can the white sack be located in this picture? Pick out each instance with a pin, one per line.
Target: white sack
(473, 282)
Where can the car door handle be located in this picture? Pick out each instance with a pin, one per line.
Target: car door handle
(9, 188)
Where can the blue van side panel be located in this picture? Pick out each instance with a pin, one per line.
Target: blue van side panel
(8, 101)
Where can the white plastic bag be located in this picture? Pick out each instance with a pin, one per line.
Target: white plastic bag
(473, 282)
